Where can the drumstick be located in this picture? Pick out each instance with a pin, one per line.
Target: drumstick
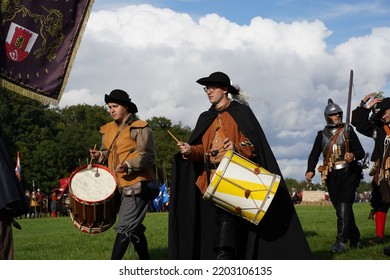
(90, 163)
(165, 127)
(173, 136)
(130, 152)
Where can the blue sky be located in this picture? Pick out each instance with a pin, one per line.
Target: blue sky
(288, 57)
(345, 19)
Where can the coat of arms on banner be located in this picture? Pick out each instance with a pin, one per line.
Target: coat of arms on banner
(39, 41)
(19, 42)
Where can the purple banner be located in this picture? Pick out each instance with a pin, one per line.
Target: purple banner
(39, 41)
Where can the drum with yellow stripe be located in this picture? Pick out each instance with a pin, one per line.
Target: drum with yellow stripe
(242, 187)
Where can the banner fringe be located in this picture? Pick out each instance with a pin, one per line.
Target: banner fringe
(76, 47)
(28, 93)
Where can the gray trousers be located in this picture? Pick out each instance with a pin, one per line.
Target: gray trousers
(132, 212)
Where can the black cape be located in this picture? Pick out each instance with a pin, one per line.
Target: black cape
(13, 202)
(279, 236)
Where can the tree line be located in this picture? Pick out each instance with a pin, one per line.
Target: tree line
(53, 142)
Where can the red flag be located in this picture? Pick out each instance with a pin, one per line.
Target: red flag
(18, 169)
(64, 184)
(38, 44)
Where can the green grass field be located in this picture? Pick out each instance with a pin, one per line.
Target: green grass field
(58, 239)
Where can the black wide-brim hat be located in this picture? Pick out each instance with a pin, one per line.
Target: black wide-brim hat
(121, 97)
(380, 109)
(218, 78)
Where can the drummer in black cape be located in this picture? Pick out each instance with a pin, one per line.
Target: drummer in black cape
(13, 203)
(199, 229)
(128, 149)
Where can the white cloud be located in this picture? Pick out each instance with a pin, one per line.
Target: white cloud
(295, 168)
(82, 95)
(157, 55)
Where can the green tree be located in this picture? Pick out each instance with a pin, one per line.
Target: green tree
(28, 126)
(79, 133)
(53, 142)
(166, 145)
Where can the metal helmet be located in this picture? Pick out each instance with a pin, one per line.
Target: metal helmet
(330, 109)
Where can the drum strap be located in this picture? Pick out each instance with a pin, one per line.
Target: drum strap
(123, 125)
(219, 136)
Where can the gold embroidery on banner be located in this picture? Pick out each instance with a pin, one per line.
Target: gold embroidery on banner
(50, 26)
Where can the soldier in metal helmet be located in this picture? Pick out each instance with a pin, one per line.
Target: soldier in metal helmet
(330, 110)
(341, 150)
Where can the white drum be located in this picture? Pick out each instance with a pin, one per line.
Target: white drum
(242, 187)
(92, 205)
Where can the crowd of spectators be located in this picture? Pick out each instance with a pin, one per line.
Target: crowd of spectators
(43, 205)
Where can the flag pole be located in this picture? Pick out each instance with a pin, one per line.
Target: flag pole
(35, 196)
(18, 168)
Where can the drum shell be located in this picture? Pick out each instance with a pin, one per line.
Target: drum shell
(242, 187)
(91, 213)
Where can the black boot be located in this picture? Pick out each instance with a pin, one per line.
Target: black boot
(343, 228)
(120, 246)
(225, 253)
(226, 238)
(140, 245)
(354, 233)
(338, 248)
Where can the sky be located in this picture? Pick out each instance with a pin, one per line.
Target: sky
(288, 57)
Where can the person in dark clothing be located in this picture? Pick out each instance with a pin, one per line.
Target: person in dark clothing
(372, 118)
(13, 203)
(340, 171)
(198, 229)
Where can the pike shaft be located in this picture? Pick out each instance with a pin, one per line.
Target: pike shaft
(349, 98)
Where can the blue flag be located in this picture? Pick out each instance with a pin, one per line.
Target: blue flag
(161, 199)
